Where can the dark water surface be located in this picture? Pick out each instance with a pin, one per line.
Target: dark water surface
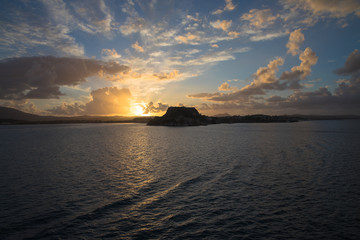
(131, 181)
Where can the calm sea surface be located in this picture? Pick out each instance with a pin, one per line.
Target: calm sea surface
(132, 181)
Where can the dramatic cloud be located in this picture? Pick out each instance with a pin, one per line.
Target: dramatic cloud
(265, 79)
(259, 18)
(268, 74)
(41, 77)
(308, 58)
(109, 100)
(105, 101)
(295, 40)
(292, 78)
(344, 99)
(224, 24)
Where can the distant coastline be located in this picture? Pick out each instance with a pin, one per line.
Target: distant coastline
(11, 116)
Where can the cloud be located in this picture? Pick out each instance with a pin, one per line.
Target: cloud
(224, 24)
(352, 64)
(344, 99)
(110, 54)
(267, 36)
(137, 47)
(267, 74)
(212, 57)
(295, 40)
(104, 101)
(214, 45)
(22, 104)
(23, 38)
(259, 18)
(109, 100)
(189, 37)
(264, 80)
(292, 78)
(92, 17)
(333, 8)
(204, 96)
(133, 25)
(47, 27)
(41, 77)
(308, 58)
(150, 108)
(234, 34)
(68, 109)
(225, 87)
(350, 88)
(168, 76)
(228, 7)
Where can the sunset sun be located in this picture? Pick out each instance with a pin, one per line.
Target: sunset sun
(138, 110)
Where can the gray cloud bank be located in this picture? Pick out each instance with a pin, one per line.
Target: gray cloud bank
(41, 77)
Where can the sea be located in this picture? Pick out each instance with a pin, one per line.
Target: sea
(228, 181)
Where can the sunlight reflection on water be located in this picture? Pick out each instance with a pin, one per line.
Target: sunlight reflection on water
(133, 181)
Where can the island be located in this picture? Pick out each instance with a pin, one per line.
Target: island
(180, 116)
(189, 116)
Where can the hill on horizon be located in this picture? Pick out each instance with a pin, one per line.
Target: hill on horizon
(12, 114)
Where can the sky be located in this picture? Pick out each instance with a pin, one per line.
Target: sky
(138, 57)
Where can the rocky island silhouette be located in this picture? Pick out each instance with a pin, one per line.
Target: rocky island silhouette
(189, 116)
(180, 116)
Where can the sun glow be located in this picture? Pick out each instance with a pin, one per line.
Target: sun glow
(137, 109)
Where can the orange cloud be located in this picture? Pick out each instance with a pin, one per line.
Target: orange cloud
(224, 24)
(259, 18)
(167, 76)
(334, 8)
(295, 40)
(226, 87)
(104, 101)
(137, 47)
(187, 38)
(308, 58)
(228, 7)
(234, 34)
(110, 53)
(109, 100)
